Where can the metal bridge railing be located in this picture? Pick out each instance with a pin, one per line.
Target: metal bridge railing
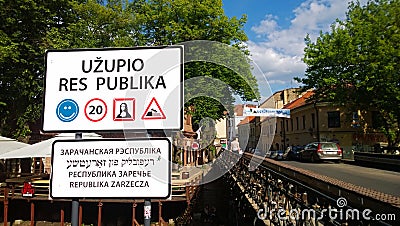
(277, 198)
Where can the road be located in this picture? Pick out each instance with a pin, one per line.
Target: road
(380, 180)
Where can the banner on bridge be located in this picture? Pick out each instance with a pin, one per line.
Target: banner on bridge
(266, 112)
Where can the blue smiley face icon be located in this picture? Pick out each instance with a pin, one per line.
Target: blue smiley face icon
(67, 110)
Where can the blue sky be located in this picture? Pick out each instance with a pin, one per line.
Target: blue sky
(276, 31)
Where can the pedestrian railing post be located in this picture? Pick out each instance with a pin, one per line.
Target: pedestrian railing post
(62, 216)
(134, 221)
(5, 206)
(80, 214)
(100, 206)
(32, 213)
(187, 188)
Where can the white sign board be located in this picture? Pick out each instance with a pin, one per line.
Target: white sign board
(111, 168)
(113, 89)
(266, 112)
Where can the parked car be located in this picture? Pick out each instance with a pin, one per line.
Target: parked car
(277, 155)
(318, 151)
(293, 152)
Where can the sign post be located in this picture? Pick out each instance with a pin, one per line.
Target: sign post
(112, 89)
(75, 201)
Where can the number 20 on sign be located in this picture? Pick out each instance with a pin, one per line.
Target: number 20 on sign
(95, 109)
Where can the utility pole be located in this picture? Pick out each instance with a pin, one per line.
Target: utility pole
(75, 201)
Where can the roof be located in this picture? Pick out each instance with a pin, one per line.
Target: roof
(246, 120)
(301, 101)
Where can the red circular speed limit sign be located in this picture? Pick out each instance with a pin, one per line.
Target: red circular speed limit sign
(95, 109)
(195, 145)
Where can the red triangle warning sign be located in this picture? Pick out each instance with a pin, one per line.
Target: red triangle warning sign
(153, 111)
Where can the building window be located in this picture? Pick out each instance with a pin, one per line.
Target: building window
(333, 119)
(282, 96)
(313, 120)
(304, 122)
(287, 125)
(355, 123)
(297, 123)
(291, 123)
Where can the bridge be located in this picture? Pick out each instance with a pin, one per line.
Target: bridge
(271, 192)
(264, 191)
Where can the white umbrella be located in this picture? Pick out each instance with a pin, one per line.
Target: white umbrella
(43, 148)
(8, 144)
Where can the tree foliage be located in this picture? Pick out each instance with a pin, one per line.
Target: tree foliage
(357, 63)
(165, 22)
(96, 26)
(29, 27)
(22, 40)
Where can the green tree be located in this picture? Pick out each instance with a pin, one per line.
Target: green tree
(96, 25)
(23, 28)
(357, 63)
(30, 27)
(165, 22)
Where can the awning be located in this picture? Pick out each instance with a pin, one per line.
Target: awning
(43, 148)
(8, 144)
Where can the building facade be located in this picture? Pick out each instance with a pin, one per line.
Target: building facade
(322, 121)
(311, 122)
(269, 136)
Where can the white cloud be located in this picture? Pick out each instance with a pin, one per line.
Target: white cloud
(279, 54)
(273, 68)
(267, 25)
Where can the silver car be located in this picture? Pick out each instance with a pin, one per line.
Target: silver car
(318, 151)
